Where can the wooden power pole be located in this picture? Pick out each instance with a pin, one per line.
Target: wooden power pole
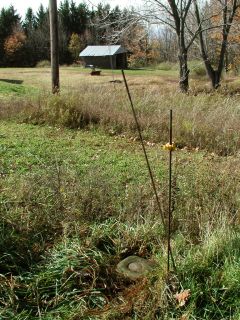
(53, 14)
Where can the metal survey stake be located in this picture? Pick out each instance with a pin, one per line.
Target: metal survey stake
(170, 190)
(143, 147)
(149, 168)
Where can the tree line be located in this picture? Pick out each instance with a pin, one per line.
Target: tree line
(187, 29)
(24, 42)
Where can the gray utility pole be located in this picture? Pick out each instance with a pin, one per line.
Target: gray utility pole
(53, 14)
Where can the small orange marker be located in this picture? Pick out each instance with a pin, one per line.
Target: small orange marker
(169, 147)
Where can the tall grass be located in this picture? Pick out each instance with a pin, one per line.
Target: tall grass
(205, 121)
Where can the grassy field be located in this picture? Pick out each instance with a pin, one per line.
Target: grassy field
(73, 76)
(76, 198)
(202, 119)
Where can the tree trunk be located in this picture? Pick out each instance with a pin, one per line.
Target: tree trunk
(180, 20)
(228, 15)
(54, 45)
(184, 71)
(215, 78)
(214, 75)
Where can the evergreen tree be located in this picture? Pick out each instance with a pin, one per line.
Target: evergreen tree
(41, 16)
(99, 22)
(75, 19)
(65, 16)
(37, 45)
(83, 16)
(29, 22)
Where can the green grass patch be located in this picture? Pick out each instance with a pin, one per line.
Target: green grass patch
(73, 203)
(148, 71)
(10, 88)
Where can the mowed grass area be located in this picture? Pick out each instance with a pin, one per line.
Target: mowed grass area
(14, 88)
(72, 77)
(76, 199)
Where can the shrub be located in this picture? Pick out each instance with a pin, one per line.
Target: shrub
(165, 66)
(197, 68)
(43, 64)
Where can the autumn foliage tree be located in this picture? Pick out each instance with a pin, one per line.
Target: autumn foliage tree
(8, 20)
(232, 59)
(136, 40)
(13, 45)
(75, 46)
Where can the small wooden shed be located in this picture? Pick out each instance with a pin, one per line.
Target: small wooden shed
(110, 56)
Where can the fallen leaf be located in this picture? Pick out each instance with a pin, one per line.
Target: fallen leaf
(183, 297)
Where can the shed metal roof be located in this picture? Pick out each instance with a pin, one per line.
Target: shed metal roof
(100, 51)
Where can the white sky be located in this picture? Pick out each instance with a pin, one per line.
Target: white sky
(22, 5)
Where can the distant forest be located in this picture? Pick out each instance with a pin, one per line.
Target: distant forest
(25, 42)
(209, 37)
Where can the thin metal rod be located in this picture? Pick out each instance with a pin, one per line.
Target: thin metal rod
(143, 147)
(148, 164)
(170, 192)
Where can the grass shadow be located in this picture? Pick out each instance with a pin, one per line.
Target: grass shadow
(13, 81)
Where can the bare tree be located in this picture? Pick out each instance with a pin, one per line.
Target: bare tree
(175, 14)
(224, 12)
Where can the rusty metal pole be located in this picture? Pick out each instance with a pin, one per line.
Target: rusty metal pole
(170, 192)
(53, 15)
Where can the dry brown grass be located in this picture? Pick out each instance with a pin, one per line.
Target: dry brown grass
(206, 121)
(202, 119)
